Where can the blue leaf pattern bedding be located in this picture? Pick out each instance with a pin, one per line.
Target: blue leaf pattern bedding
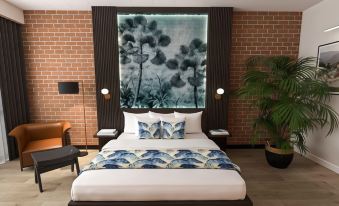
(149, 130)
(173, 130)
(161, 159)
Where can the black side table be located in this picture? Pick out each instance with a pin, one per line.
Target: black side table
(220, 140)
(103, 139)
(48, 160)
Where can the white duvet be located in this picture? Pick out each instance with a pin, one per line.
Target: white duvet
(159, 184)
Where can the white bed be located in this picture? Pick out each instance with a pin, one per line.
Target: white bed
(159, 184)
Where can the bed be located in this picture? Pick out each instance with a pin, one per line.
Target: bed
(160, 186)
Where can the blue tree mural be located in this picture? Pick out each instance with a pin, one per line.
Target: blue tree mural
(190, 57)
(140, 38)
(162, 60)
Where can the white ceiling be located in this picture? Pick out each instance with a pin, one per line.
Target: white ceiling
(246, 5)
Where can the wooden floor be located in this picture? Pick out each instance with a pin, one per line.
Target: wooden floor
(303, 184)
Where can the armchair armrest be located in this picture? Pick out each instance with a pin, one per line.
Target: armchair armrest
(66, 126)
(20, 135)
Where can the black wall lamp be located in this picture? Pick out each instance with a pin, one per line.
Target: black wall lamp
(106, 93)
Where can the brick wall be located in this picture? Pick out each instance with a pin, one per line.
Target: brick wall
(59, 47)
(257, 33)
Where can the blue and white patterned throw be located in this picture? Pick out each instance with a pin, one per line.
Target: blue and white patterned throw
(149, 130)
(173, 130)
(161, 159)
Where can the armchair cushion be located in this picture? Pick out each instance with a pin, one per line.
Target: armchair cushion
(38, 145)
(44, 144)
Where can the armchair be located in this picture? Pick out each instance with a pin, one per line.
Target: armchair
(37, 137)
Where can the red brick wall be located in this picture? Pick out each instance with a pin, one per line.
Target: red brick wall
(257, 33)
(59, 47)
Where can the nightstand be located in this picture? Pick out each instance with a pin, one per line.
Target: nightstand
(103, 139)
(220, 140)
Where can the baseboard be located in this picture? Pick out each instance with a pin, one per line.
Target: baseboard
(88, 147)
(321, 161)
(245, 146)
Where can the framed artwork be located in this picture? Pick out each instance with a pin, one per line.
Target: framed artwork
(162, 60)
(328, 64)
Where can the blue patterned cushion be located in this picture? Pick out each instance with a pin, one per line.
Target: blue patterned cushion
(149, 129)
(173, 129)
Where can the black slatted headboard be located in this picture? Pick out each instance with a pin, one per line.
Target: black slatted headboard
(105, 35)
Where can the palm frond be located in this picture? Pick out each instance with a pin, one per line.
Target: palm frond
(290, 98)
(298, 139)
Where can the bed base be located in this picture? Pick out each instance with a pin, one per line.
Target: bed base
(246, 202)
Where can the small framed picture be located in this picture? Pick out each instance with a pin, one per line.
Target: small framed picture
(328, 62)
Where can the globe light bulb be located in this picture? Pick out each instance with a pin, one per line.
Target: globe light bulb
(104, 91)
(220, 91)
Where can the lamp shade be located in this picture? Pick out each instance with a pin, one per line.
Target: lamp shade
(68, 87)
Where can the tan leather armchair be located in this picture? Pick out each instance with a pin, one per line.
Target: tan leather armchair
(37, 137)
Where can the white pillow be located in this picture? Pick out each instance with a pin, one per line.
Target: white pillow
(131, 121)
(172, 119)
(193, 121)
(160, 115)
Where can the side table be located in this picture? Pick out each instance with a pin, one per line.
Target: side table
(103, 139)
(220, 140)
(45, 161)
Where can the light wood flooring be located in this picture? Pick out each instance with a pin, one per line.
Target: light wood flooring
(304, 183)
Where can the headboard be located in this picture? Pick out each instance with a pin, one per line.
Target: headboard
(106, 56)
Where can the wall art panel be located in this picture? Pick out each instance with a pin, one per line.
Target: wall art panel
(162, 60)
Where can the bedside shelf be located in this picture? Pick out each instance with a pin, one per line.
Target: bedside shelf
(220, 140)
(103, 139)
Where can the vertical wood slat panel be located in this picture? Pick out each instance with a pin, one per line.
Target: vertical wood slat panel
(218, 64)
(12, 80)
(106, 57)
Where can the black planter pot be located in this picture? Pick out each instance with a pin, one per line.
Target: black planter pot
(278, 158)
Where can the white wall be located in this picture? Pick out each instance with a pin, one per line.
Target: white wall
(3, 137)
(11, 12)
(316, 19)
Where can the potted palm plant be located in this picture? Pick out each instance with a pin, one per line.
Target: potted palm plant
(291, 100)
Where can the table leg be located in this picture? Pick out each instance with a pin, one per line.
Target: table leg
(72, 167)
(77, 165)
(39, 179)
(35, 176)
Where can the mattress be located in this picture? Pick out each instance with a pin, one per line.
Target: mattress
(159, 184)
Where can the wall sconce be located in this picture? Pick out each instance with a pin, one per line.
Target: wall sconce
(220, 92)
(106, 94)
